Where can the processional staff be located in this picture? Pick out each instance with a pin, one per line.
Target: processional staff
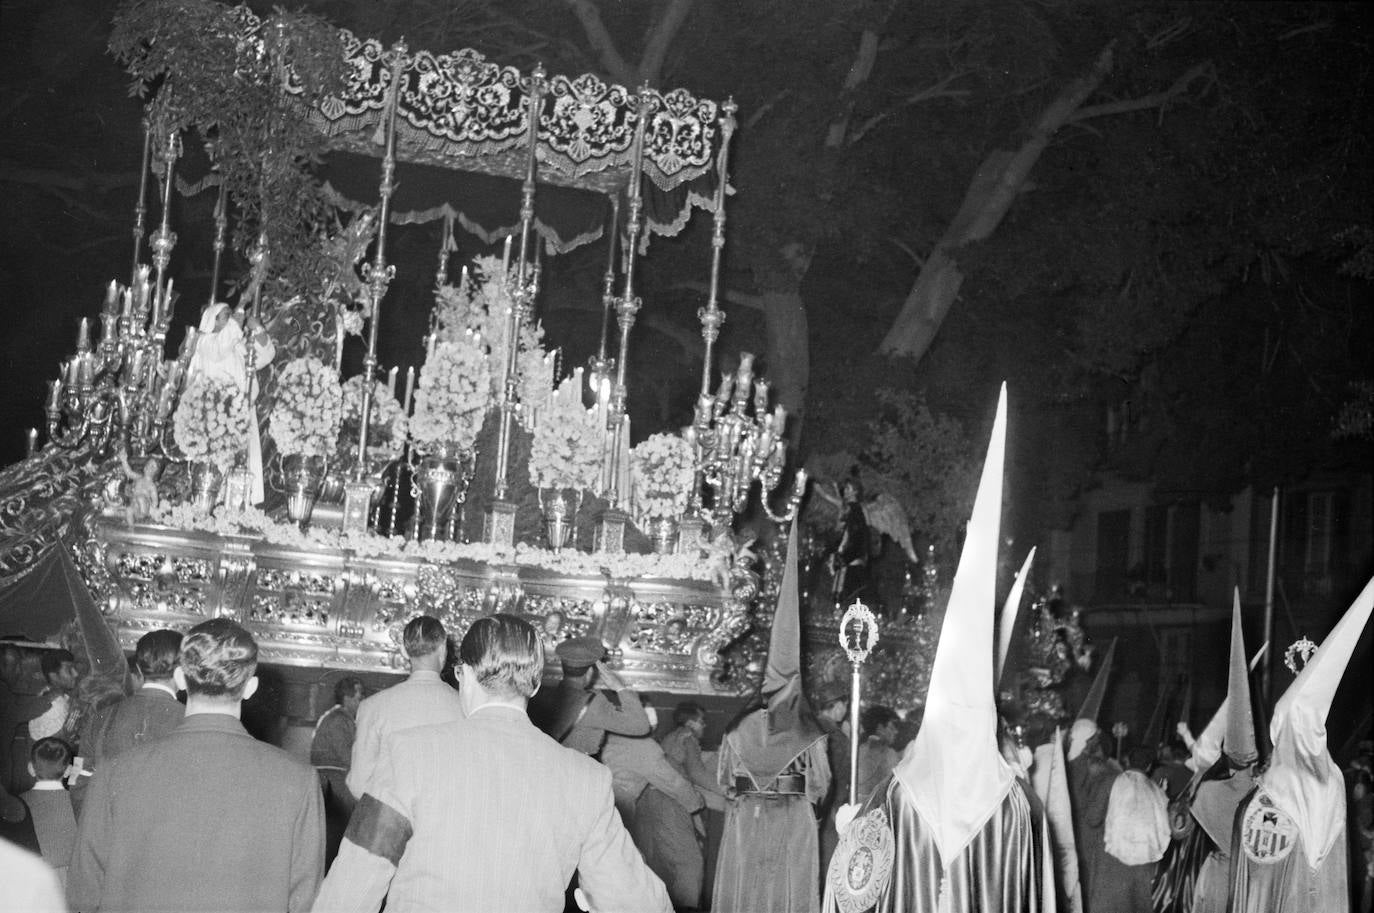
(859, 622)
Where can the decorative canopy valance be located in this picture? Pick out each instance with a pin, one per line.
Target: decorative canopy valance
(462, 129)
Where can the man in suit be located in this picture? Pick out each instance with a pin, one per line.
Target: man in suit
(205, 818)
(421, 699)
(487, 812)
(149, 713)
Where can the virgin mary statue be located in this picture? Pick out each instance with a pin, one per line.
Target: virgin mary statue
(221, 356)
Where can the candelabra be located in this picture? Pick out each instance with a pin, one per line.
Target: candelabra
(120, 391)
(739, 448)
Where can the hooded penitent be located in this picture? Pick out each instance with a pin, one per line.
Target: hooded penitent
(1302, 780)
(1085, 725)
(1052, 784)
(953, 770)
(1006, 623)
(791, 725)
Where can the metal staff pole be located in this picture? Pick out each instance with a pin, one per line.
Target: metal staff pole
(859, 619)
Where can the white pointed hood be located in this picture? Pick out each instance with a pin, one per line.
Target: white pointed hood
(953, 769)
(1302, 780)
(1224, 727)
(1006, 623)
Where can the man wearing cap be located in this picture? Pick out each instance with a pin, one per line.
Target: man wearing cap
(580, 717)
(421, 699)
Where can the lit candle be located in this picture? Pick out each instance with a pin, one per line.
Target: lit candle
(779, 418)
(111, 298)
(86, 369)
(760, 396)
(109, 330)
(54, 395)
(83, 335)
(429, 349)
(188, 343)
(338, 344)
(128, 301)
(391, 381)
(32, 445)
(463, 282)
(505, 258)
(727, 386)
(410, 389)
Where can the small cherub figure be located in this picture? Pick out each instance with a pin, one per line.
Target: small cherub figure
(141, 491)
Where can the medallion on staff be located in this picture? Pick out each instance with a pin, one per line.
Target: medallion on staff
(858, 634)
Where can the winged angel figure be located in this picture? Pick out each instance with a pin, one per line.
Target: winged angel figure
(861, 524)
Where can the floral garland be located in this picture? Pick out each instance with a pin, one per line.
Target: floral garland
(565, 450)
(454, 394)
(709, 565)
(387, 424)
(662, 472)
(211, 422)
(308, 409)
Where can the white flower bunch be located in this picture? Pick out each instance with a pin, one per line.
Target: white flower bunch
(454, 393)
(481, 308)
(387, 425)
(308, 410)
(566, 448)
(662, 473)
(211, 422)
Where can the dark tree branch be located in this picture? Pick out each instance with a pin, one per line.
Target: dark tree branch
(1204, 71)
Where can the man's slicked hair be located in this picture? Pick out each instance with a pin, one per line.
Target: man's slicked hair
(687, 711)
(157, 653)
(506, 654)
(218, 657)
(423, 635)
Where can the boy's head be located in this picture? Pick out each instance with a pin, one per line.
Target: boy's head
(49, 758)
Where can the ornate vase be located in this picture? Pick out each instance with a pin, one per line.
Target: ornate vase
(205, 482)
(663, 534)
(560, 514)
(440, 484)
(302, 477)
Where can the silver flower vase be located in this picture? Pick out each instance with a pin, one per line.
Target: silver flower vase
(663, 534)
(205, 482)
(440, 484)
(560, 506)
(302, 477)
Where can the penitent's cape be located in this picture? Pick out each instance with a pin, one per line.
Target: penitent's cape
(1290, 851)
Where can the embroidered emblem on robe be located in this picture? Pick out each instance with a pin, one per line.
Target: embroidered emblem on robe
(1267, 834)
(862, 865)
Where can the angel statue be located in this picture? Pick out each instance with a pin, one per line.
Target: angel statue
(859, 529)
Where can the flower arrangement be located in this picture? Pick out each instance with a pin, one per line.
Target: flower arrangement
(454, 393)
(211, 422)
(308, 409)
(387, 424)
(565, 451)
(478, 306)
(662, 472)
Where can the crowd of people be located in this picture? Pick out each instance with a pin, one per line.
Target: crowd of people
(473, 786)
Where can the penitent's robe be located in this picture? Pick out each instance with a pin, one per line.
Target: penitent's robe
(887, 861)
(1270, 871)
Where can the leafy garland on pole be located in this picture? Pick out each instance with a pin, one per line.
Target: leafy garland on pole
(199, 69)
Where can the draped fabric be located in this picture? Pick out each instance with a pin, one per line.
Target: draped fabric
(1090, 786)
(769, 852)
(1194, 874)
(1177, 881)
(998, 871)
(1270, 871)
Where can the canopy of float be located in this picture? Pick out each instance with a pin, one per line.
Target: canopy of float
(462, 135)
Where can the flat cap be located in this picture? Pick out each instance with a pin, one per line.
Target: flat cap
(580, 652)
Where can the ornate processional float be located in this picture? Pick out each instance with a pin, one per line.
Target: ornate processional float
(240, 474)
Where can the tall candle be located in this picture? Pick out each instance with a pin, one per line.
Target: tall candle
(429, 349)
(128, 301)
(505, 258)
(83, 335)
(32, 444)
(338, 344)
(391, 381)
(410, 389)
(54, 395)
(111, 298)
